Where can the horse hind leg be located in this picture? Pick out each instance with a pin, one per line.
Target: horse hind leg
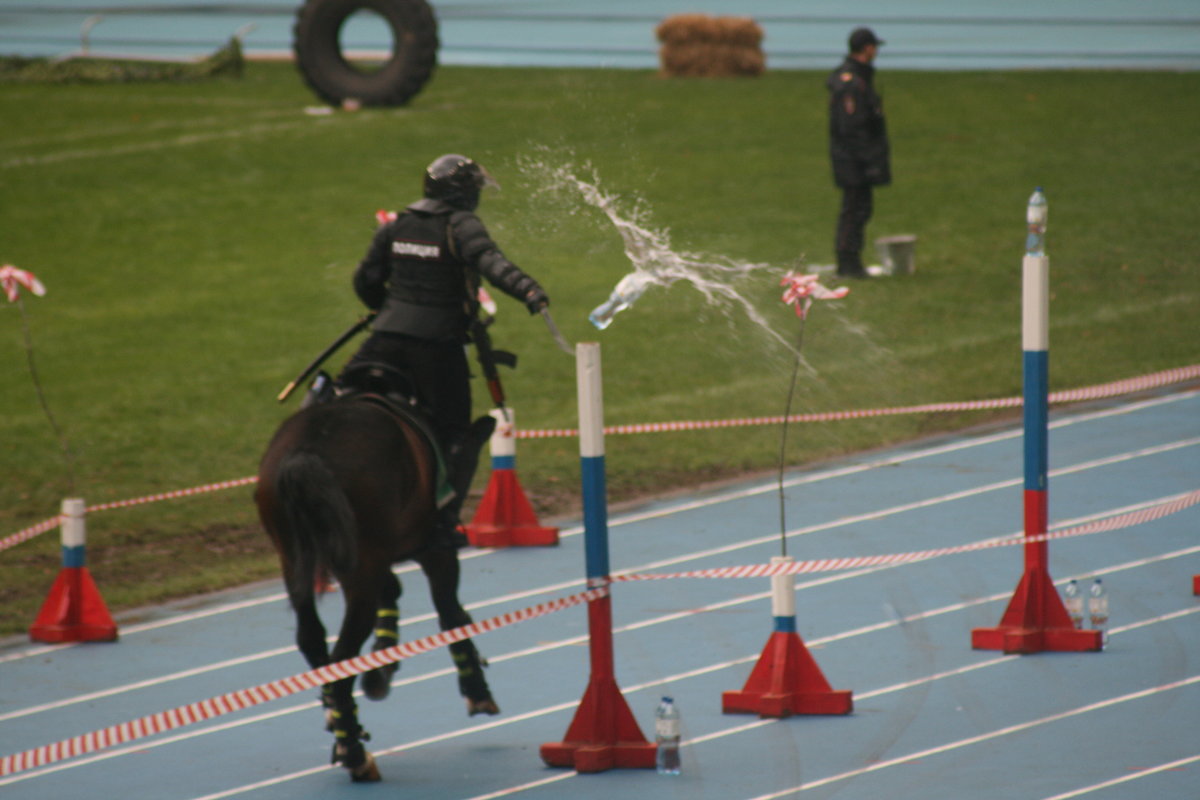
(348, 734)
(377, 683)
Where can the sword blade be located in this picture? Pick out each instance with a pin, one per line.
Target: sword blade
(558, 337)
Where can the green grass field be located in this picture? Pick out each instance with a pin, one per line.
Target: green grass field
(197, 242)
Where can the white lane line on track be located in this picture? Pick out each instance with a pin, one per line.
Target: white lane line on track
(984, 737)
(1141, 773)
(744, 727)
(716, 499)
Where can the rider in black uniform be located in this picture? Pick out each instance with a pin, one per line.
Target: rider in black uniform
(422, 274)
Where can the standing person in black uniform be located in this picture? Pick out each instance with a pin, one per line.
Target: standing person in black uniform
(858, 146)
(422, 274)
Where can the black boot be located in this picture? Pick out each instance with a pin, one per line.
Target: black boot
(462, 458)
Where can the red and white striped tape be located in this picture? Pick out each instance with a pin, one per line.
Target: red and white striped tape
(857, 562)
(154, 498)
(52, 523)
(1151, 381)
(1154, 380)
(245, 698)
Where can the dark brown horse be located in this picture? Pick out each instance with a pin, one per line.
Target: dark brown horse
(346, 489)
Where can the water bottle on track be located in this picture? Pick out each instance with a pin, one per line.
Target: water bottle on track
(1073, 600)
(666, 737)
(1098, 609)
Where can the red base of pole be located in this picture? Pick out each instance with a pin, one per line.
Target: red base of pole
(505, 518)
(604, 735)
(1036, 620)
(1196, 584)
(786, 681)
(74, 611)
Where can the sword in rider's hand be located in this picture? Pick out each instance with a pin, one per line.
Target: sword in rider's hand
(558, 337)
(326, 353)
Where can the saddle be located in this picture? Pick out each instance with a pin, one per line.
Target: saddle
(394, 391)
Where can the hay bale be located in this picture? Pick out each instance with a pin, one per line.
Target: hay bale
(699, 45)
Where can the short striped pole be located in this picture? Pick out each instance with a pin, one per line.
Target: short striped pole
(604, 734)
(504, 517)
(786, 680)
(1036, 619)
(74, 611)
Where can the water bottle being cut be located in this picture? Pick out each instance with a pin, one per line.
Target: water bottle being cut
(626, 293)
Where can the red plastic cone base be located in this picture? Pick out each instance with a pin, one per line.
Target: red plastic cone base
(1036, 620)
(74, 611)
(505, 518)
(786, 681)
(604, 735)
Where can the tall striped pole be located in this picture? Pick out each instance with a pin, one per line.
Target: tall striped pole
(604, 733)
(1036, 619)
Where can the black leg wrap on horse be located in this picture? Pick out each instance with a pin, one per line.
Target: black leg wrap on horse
(471, 683)
(348, 738)
(376, 683)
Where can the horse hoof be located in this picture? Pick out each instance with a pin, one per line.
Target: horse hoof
(487, 706)
(377, 683)
(366, 772)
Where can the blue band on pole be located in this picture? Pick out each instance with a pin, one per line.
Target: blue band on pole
(504, 462)
(73, 556)
(595, 515)
(1036, 397)
(785, 624)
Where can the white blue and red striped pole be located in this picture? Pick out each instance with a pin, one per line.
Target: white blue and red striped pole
(786, 679)
(504, 517)
(73, 611)
(604, 734)
(1036, 619)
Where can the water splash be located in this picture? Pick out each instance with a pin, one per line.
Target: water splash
(650, 251)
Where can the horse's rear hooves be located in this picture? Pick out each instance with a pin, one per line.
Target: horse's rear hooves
(487, 706)
(366, 772)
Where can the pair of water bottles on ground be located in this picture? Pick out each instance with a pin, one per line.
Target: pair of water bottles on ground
(1092, 607)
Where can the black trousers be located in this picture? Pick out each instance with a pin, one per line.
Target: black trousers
(440, 373)
(857, 205)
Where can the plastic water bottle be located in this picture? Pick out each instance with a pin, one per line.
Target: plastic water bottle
(1073, 600)
(1098, 608)
(666, 737)
(628, 290)
(1035, 215)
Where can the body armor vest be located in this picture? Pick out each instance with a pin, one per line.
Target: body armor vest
(427, 292)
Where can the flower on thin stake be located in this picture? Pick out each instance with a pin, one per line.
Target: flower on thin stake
(801, 289)
(12, 279)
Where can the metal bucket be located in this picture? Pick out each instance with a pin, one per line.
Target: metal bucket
(896, 253)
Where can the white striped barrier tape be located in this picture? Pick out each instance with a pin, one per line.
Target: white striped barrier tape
(857, 562)
(1142, 383)
(1116, 388)
(245, 698)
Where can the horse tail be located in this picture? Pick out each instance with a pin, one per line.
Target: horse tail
(317, 527)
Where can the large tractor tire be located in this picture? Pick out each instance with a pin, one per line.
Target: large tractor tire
(335, 80)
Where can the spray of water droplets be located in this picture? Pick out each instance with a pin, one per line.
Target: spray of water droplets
(649, 249)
